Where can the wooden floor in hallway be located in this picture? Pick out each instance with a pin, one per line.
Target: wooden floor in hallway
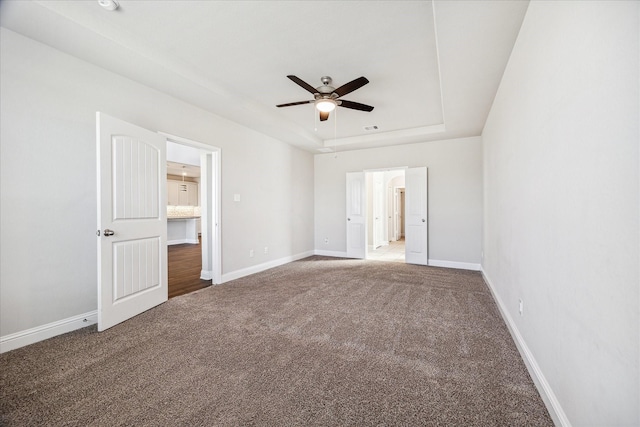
(185, 264)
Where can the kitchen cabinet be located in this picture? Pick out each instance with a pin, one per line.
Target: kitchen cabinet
(182, 193)
(193, 194)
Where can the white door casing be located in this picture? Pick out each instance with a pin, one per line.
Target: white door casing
(415, 214)
(356, 215)
(209, 192)
(132, 262)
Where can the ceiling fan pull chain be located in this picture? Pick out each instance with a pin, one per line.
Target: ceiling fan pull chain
(335, 131)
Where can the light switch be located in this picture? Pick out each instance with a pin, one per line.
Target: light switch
(236, 197)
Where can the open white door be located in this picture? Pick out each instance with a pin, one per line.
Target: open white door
(356, 215)
(415, 215)
(132, 220)
(378, 209)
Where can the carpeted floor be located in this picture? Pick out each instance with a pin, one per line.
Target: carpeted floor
(318, 342)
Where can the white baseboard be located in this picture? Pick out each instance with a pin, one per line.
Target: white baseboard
(336, 254)
(455, 264)
(183, 241)
(40, 333)
(226, 277)
(548, 396)
(206, 274)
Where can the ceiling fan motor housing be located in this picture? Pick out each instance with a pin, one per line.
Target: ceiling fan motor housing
(326, 89)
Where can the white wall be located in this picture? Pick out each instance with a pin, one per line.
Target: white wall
(48, 180)
(455, 194)
(562, 205)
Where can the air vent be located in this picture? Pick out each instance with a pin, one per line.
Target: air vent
(370, 128)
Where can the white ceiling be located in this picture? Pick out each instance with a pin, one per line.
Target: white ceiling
(433, 67)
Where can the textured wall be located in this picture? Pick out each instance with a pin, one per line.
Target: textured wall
(561, 203)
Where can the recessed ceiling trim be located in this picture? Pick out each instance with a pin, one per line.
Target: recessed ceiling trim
(391, 135)
(435, 35)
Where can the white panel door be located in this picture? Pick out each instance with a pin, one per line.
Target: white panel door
(415, 214)
(397, 214)
(356, 215)
(378, 209)
(132, 220)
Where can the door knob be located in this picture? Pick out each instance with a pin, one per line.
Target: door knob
(108, 232)
(348, 219)
(424, 220)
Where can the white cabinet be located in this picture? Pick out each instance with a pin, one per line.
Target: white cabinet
(181, 193)
(193, 196)
(172, 193)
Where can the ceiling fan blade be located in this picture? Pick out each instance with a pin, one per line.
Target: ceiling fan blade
(351, 86)
(324, 116)
(354, 105)
(304, 85)
(295, 103)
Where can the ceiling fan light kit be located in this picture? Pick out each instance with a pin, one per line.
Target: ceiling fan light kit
(325, 105)
(325, 97)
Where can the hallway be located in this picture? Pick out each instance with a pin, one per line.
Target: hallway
(394, 251)
(185, 263)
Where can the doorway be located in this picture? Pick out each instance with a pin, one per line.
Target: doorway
(385, 215)
(193, 213)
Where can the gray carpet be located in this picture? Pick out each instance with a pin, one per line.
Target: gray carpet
(318, 342)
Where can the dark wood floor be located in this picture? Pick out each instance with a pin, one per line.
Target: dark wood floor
(185, 264)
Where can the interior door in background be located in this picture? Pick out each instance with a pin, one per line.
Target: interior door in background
(415, 215)
(356, 215)
(378, 209)
(132, 220)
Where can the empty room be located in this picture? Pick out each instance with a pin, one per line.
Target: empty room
(401, 213)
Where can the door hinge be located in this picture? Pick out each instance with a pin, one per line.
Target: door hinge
(98, 233)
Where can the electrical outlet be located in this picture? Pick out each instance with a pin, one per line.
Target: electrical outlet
(251, 253)
(266, 249)
(521, 306)
(326, 240)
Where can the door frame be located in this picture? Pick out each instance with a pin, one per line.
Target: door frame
(211, 190)
(385, 205)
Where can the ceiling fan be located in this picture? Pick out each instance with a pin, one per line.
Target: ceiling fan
(326, 97)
